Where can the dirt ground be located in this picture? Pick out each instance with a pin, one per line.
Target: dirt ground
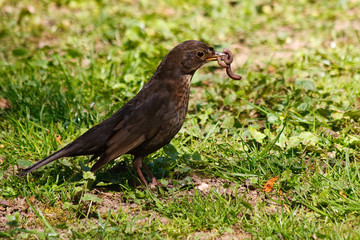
(114, 202)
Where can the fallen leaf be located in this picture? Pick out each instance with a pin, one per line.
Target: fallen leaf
(270, 184)
(32, 199)
(4, 104)
(203, 187)
(4, 202)
(357, 103)
(58, 138)
(342, 193)
(271, 69)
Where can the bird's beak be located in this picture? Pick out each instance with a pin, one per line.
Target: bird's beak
(215, 56)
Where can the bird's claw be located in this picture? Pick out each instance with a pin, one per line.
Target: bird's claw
(153, 183)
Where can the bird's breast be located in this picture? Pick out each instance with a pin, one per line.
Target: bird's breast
(176, 106)
(173, 113)
(180, 93)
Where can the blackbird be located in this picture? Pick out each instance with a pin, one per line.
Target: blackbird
(149, 120)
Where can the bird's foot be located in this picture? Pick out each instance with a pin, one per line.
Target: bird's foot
(154, 183)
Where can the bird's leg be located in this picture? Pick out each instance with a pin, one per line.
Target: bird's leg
(154, 182)
(138, 164)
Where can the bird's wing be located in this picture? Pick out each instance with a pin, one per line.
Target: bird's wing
(139, 123)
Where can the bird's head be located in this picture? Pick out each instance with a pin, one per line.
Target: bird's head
(187, 57)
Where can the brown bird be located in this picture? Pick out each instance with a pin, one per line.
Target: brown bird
(149, 120)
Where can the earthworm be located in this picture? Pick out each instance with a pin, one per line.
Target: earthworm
(224, 65)
(228, 59)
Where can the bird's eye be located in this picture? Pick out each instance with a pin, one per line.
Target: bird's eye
(200, 54)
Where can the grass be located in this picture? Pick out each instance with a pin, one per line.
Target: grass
(67, 65)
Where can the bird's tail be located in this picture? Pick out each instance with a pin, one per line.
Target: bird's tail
(56, 155)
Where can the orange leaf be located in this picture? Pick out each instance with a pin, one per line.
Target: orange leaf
(58, 138)
(271, 69)
(32, 199)
(270, 184)
(342, 193)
